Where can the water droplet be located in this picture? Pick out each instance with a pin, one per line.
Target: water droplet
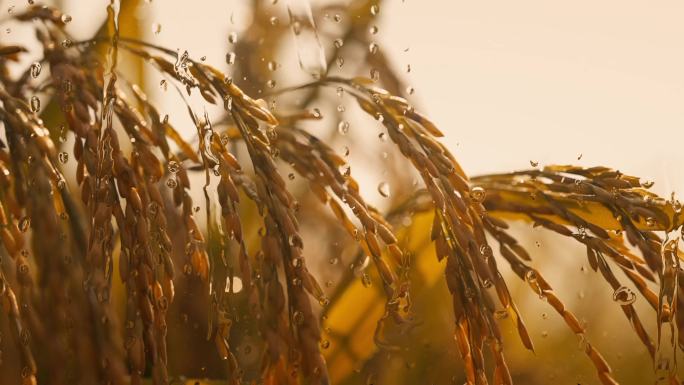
(171, 183)
(298, 317)
(373, 30)
(36, 67)
(477, 194)
(343, 127)
(271, 83)
(35, 104)
(232, 38)
(24, 224)
(63, 157)
(410, 90)
(501, 314)
(230, 58)
(339, 43)
(337, 18)
(384, 189)
(530, 276)
(647, 184)
(274, 20)
(272, 65)
(382, 136)
(366, 280)
(624, 296)
(534, 164)
(373, 48)
(486, 250)
(325, 344)
(374, 10)
(164, 86)
(156, 28)
(66, 18)
(650, 222)
(173, 166)
(374, 74)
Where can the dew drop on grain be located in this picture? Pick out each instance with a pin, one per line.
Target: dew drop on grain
(624, 296)
(173, 166)
(477, 194)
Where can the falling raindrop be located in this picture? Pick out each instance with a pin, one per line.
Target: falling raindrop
(232, 38)
(373, 48)
(384, 189)
(374, 74)
(374, 10)
(36, 67)
(35, 104)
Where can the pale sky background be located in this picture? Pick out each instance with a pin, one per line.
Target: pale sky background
(507, 81)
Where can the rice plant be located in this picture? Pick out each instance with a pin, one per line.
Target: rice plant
(245, 253)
